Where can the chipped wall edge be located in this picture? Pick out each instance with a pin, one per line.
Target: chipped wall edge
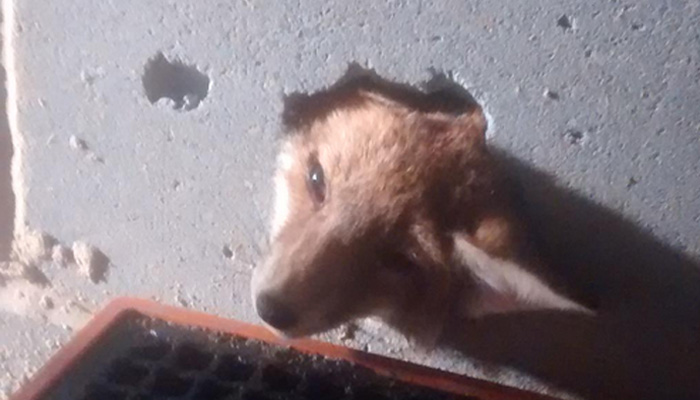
(9, 31)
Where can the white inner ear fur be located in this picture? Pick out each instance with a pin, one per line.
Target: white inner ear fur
(280, 213)
(504, 286)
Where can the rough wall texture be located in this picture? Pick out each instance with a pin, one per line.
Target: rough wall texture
(170, 182)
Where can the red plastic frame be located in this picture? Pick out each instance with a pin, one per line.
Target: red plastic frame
(71, 353)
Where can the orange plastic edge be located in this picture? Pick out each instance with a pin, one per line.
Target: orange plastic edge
(84, 339)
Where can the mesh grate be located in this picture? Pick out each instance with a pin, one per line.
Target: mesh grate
(148, 359)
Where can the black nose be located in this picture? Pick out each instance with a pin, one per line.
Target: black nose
(274, 312)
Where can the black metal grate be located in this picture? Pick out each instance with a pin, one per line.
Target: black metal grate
(147, 359)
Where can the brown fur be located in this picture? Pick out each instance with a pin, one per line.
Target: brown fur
(400, 181)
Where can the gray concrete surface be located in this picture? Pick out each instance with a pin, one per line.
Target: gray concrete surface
(601, 95)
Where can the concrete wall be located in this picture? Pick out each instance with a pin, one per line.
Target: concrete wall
(169, 198)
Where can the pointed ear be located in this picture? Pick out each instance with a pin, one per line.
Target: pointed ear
(463, 132)
(473, 122)
(501, 285)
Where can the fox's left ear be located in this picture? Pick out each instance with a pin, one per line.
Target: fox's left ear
(473, 122)
(466, 130)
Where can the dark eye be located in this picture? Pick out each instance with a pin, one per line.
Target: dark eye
(316, 182)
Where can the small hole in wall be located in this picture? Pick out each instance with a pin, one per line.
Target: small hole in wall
(565, 22)
(574, 136)
(227, 252)
(183, 84)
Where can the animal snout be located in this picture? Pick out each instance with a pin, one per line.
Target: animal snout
(273, 311)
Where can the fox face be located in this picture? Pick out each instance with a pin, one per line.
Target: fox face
(383, 210)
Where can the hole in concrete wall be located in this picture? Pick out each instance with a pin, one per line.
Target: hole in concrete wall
(565, 22)
(183, 84)
(440, 93)
(7, 197)
(574, 136)
(227, 252)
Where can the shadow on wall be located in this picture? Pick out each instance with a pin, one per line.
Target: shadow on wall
(7, 199)
(645, 340)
